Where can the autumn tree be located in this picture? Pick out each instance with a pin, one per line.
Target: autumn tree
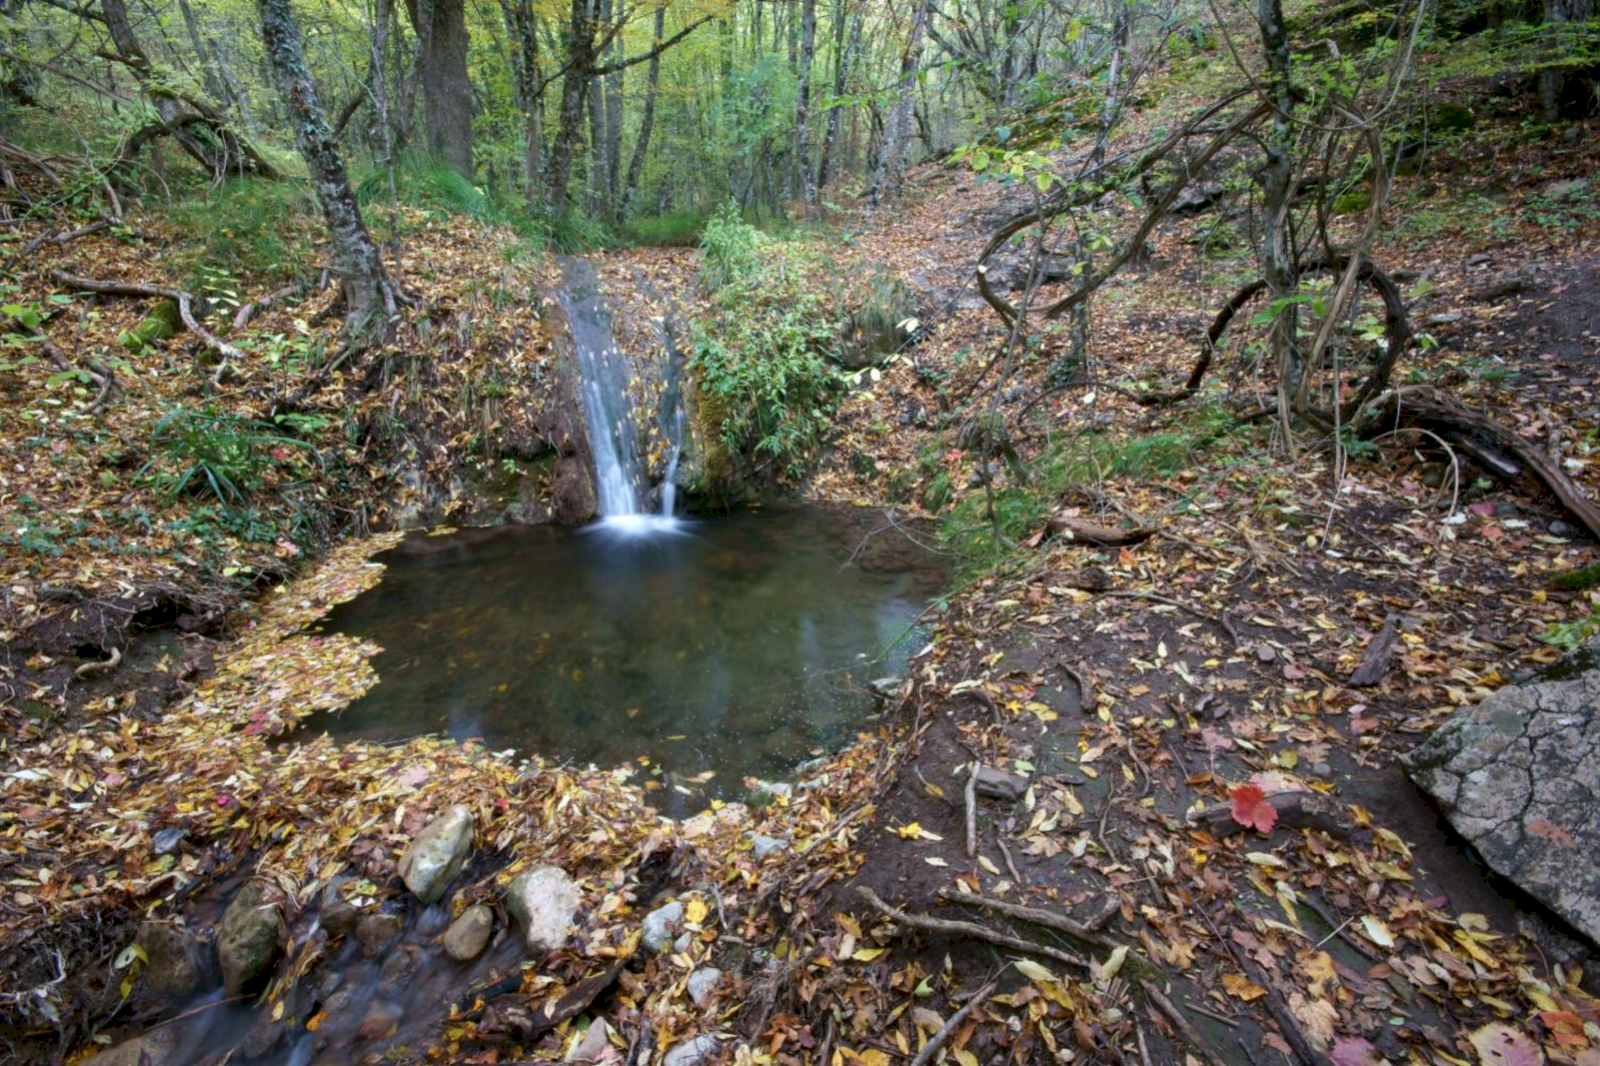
(365, 290)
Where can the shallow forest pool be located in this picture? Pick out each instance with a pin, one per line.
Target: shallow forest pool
(735, 646)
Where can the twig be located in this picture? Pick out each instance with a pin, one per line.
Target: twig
(937, 1041)
(1038, 916)
(184, 300)
(972, 809)
(1016, 878)
(971, 929)
(1219, 620)
(94, 668)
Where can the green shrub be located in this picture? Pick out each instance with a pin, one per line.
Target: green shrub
(200, 451)
(730, 249)
(680, 230)
(252, 226)
(765, 385)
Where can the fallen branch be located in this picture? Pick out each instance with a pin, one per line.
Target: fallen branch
(1427, 408)
(1141, 973)
(937, 1041)
(184, 300)
(944, 927)
(1096, 534)
(1380, 653)
(972, 809)
(1296, 807)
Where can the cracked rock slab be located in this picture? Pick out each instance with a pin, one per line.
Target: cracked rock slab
(1518, 775)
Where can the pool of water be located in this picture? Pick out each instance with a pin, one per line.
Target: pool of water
(729, 647)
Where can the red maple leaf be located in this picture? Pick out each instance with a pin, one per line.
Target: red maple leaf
(1251, 809)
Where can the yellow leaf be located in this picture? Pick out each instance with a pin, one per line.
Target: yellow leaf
(1033, 971)
(867, 954)
(695, 911)
(1242, 987)
(1376, 931)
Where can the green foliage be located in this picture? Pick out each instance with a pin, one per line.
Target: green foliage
(1568, 635)
(252, 227)
(1073, 465)
(197, 451)
(1565, 206)
(766, 388)
(730, 249)
(681, 230)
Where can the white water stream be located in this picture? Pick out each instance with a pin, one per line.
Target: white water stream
(620, 478)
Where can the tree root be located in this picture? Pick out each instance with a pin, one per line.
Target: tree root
(944, 927)
(1426, 408)
(184, 300)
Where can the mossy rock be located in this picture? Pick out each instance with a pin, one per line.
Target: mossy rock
(162, 323)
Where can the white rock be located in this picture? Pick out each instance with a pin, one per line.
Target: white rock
(702, 985)
(762, 846)
(660, 924)
(543, 900)
(437, 854)
(596, 1039)
(681, 944)
(693, 1052)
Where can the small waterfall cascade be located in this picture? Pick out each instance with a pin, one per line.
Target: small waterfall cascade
(620, 476)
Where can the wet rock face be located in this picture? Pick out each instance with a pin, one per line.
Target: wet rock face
(543, 900)
(158, 1047)
(249, 937)
(176, 967)
(1518, 775)
(437, 854)
(468, 935)
(375, 932)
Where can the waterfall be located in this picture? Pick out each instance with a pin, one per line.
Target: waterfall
(619, 476)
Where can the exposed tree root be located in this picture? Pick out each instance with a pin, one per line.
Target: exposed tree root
(184, 300)
(1426, 408)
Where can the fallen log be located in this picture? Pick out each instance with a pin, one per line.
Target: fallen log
(1078, 529)
(1298, 808)
(1380, 653)
(1425, 408)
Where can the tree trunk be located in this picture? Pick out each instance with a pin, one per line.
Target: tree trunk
(646, 120)
(841, 75)
(523, 31)
(574, 91)
(613, 126)
(366, 292)
(441, 28)
(896, 129)
(1559, 15)
(1277, 178)
(802, 109)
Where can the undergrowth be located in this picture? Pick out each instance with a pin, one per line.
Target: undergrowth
(1071, 466)
(761, 358)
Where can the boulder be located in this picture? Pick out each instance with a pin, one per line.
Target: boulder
(468, 935)
(176, 967)
(544, 901)
(693, 1052)
(761, 846)
(249, 938)
(376, 931)
(1518, 775)
(660, 925)
(158, 1047)
(702, 985)
(437, 854)
(1000, 785)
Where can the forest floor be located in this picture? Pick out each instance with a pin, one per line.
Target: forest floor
(1132, 687)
